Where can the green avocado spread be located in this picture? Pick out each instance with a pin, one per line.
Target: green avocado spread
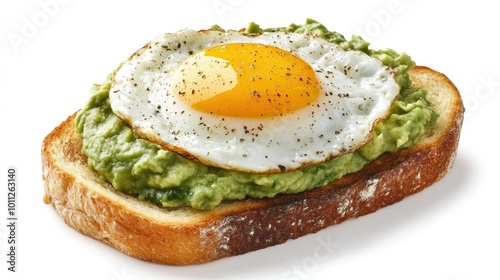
(142, 169)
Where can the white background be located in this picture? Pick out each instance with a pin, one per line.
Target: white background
(52, 51)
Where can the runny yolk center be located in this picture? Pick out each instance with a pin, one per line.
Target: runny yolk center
(247, 80)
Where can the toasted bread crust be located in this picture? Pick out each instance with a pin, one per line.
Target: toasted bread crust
(186, 236)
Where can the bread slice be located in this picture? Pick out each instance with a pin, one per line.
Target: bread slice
(185, 236)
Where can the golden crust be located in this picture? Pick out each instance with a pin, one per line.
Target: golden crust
(185, 236)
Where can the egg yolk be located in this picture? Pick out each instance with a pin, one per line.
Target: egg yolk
(247, 80)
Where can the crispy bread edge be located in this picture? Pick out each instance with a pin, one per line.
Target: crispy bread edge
(187, 236)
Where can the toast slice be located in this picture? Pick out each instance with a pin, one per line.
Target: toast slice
(186, 236)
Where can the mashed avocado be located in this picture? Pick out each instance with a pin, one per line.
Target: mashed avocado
(142, 169)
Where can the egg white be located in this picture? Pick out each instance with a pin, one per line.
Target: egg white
(357, 92)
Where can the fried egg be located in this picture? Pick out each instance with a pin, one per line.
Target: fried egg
(262, 103)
